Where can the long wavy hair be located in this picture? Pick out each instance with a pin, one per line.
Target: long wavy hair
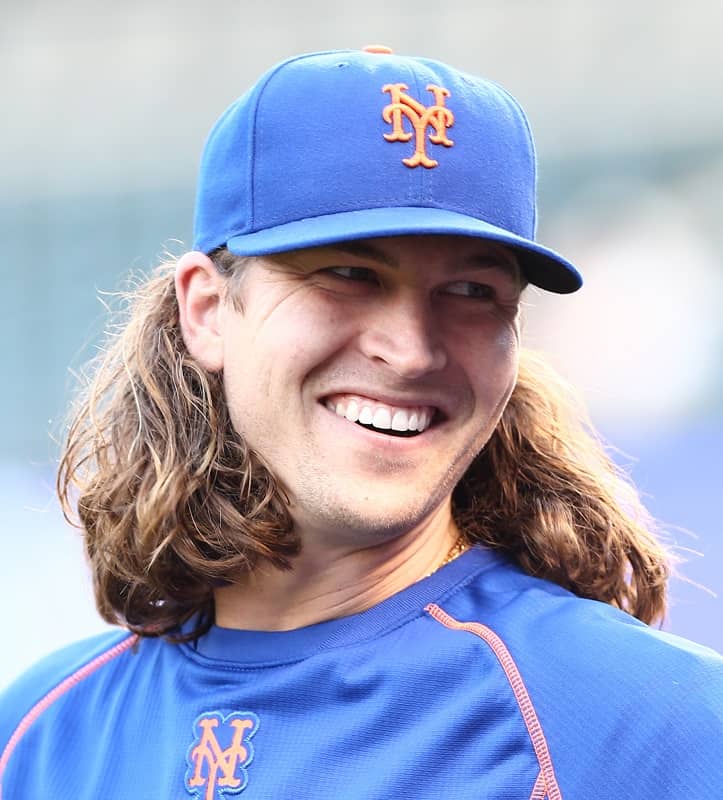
(173, 503)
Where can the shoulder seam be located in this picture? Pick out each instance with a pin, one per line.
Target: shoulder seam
(58, 691)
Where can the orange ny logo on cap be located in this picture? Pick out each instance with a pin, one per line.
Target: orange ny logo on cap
(437, 117)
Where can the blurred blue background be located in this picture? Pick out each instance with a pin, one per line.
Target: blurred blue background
(105, 108)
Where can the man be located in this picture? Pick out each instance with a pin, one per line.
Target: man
(360, 544)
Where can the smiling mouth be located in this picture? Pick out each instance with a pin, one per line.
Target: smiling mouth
(399, 421)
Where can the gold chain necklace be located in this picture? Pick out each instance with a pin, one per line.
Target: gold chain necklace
(459, 547)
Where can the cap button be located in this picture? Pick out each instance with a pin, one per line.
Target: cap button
(378, 48)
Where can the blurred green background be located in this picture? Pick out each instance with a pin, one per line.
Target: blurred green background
(105, 109)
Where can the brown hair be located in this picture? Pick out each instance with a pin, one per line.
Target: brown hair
(173, 503)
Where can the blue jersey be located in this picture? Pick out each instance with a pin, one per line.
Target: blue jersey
(477, 682)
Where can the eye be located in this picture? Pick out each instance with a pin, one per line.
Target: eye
(357, 274)
(471, 289)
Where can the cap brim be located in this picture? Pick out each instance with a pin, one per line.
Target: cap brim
(542, 267)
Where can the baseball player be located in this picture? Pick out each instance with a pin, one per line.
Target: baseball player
(358, 543)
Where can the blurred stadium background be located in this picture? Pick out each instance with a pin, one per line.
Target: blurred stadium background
(106, 106)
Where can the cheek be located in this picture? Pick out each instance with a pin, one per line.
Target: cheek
(507, 347)
(267, 357)
(306, 333)
(493, 366)
(245, 373)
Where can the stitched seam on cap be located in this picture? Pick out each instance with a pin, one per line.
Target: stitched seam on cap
(261, 90)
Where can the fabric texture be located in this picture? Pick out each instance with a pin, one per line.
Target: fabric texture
(477, 682)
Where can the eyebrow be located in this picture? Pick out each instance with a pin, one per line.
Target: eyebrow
(481, 260)
(510, 267)
(365, 250)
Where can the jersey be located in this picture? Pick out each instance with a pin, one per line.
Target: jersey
(476, 682)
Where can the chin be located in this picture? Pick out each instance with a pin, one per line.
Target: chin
(380, 518)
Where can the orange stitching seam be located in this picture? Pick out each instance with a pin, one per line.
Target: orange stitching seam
(538, 790)
(54, 694)
(529, 715)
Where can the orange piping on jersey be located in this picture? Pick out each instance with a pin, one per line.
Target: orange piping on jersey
(54, 694)
(538, 790)
(549, 783)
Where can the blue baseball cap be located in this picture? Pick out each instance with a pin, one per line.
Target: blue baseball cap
(354, 144)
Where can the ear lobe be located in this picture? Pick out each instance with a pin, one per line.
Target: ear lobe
(199, 293)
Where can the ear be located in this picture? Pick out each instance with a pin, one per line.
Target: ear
(199, 292)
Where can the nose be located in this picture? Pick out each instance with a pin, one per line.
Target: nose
(401, 333)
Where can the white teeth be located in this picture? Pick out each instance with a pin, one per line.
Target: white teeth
(352, 411)
(400, 421)
(383, 417)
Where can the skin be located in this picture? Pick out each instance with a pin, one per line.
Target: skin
(414, 321)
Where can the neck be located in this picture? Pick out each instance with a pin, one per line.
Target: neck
(325, 583)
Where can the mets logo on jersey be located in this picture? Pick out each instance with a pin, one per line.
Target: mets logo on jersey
(437, 117)
(219, 754)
